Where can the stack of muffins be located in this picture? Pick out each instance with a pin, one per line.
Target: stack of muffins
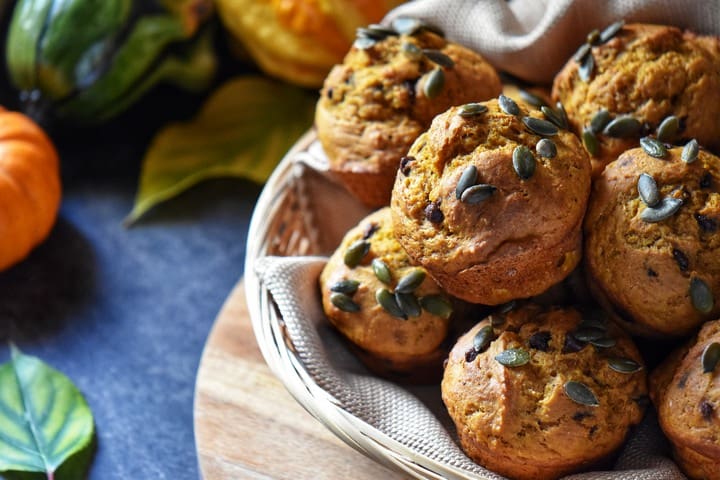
(488, 204)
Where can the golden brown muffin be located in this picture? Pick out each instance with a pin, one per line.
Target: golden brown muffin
(398, 331)
(661, 277)
(494, 236)
(374, 105)
(687, 398)
(531, 400)
(645, 72)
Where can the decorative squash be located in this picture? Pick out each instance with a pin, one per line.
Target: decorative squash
(299, 40)
(29, 186)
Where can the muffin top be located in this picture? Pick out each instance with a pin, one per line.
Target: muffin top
(659, 270)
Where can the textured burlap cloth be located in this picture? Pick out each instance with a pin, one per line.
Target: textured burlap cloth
(531, 39)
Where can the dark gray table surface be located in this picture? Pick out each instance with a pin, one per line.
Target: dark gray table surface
(125, 312)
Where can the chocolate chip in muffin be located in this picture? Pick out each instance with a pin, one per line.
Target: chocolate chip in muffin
(580, 416)
(540, 341)
(572, 344)
(651, 272)
(433, 213)
(707, 410)
(706, 181)
(405, 165)
(681, 259)
(370, 230)
(706, 224)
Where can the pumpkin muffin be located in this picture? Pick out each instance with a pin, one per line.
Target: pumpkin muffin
(491, 200)
(657, 268)
(385, 93)
(686, 392)
(390, 309)
(538, 393)
(630, 79)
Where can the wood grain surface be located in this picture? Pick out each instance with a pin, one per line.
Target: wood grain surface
(247, 426)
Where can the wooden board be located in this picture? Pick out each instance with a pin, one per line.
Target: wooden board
(248, 426)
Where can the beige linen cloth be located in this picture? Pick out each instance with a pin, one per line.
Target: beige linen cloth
(531, 39)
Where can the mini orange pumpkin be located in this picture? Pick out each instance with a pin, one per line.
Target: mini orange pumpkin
(29, 186)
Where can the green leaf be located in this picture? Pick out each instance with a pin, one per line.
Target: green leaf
(243, 130)
(44, 421)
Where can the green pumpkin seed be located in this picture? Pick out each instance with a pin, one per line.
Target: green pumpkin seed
(624, 365)
(363, 43)
(701, 296)
(690, 151)
(406, 25)
(388, 302)
(381, 270)
(508, 105)
(599, 121)
(382, 30)
(437, 305)
(408, 303)
(364, 32)
(580, 393)
(523, 162)
(483, 338)
(546, 148)
(653, 148)
(594, 318)
(540, 126)
(593, 37)
(497, 320)
(411, 281)
(472, 109)
(346, 286)
(531, 98)
(436, 56)
(604, 342)
(590, 142)
(343, 302)
(412, 51)
(477, 194)
(611, 31)
(586, 68)
(356, 252)
(513, 357)
(668, 128)
(553, 116)
(562, 114)
(667, 207)
(711, 357)
(582, 52)
(624, 126)
(434, 83)
(648, 190)
(588, 334)
(467, 179)
(507, 307)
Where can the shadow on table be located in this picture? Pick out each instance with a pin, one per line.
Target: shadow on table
(39, 295)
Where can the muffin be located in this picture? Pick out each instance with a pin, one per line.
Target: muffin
(390, 310)
(657, 268)
(686, 392)
(531, 398)
(384, 94)
(630, 79)
(491, 200)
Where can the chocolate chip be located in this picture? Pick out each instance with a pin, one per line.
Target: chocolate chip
(329, 93)
(681, 259)
(706, 223)
(572, 344)
(592, 431)
(580, 416)
(370, 230)
(540, 341)
(683, 380)
(471, 355)
(707, 410)
(405, 165)
(433, 213)
(706, 180)
(651, 273)
(410, 85)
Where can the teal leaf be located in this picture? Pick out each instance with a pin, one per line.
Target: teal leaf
(45, 423)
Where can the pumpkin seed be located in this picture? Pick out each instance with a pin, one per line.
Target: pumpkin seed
(408, 303)
(586, 68)
(507, 307)
(434, 83)
(667, 207)
(477, 193)
(412, 51)
(483, 338)
(531, 98)
(590, 142)
(690, 151)
(513, 357)
(346, 286)
(540, 126)
(546, 148)
(553, 116)
(594, 318)
(497, 320)
(588, 334)
(624, 365)
(668, 128)
(388, 302)
(604, 342)
(436, 56)
(363, 43)
(624, 126)
(562, 114)
(593, 37)
(406, 25)
(648, 190)
(343, 302)
(467, 179)
(701, 296)
(652, 147)
(711, 357)
(599, 121)
(472, 109)
(355, 253)
(580, 393)
(411, 281)
(508, 105)
(381, 270)
(365, 32)
(523, 162)
(382, 30)
(611, 31)
(437, 305)
(582, 52)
